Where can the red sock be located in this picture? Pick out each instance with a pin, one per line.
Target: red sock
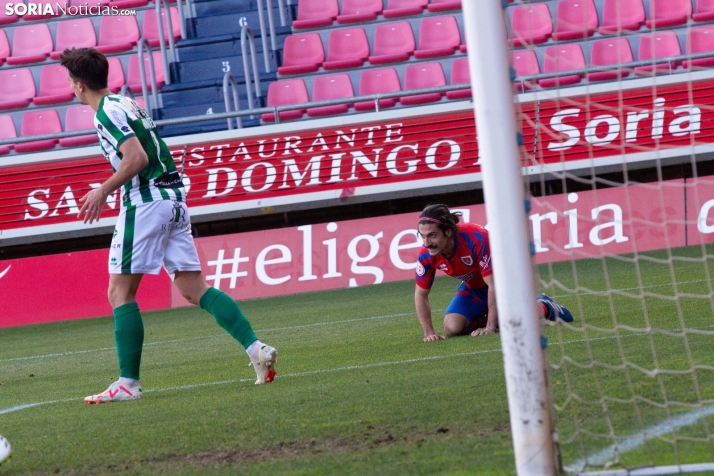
(543, 310)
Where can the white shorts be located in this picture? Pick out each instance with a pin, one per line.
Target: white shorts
(151, 235)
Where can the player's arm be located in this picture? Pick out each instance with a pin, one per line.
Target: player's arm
(492, 322)
(133, 161)
(423, 310)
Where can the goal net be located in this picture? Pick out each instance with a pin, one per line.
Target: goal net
(616, 107)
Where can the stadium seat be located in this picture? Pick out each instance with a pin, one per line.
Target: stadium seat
(30, 44)
(393, 42)
(575, 19)
(704, 11)
(17, 88)
(115, 80)
(346, 49)
(88, 3)
(78, 118)
(658, 45)
(57, 11)
(525, 63)
(619, 16)
(700, 40)
(610, 52)
(54, 85)
(438, 36)
(150, 27)
(333, 86)
(423, 75)
(74, 33)
(400, 8)
(117, 33)
(378, 81)
(460, 75)
(315, 13)
(4, 47)
(530, 24)
(134, 76)
(7, 131)
(5, 19)
(302, 53)
(444, 5)
(286, 92)
(666, 13)
(129, 4)
(354, 11)
(562, 58)
(35, 123)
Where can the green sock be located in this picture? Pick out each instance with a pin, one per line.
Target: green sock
(228, 315)
(129, 336)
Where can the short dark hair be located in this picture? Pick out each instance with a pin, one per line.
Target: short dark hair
(439, 214)
(86, 65)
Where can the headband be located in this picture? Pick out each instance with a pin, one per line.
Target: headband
(433, 220)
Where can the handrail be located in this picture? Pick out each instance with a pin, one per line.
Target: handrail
(271, 25)
(263, 36)
(229, 78)
(246, 32)
(281, 9)
(182, 19)
(126, 91)
(162, 43)
(144, 43)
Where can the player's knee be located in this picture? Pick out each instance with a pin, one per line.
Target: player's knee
(455, 326)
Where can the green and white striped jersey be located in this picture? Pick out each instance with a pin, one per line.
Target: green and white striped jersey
(119, 118)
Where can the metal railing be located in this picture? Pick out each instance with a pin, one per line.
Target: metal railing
(144, 44)
(162, 42)
(246, 36)
(228, 78)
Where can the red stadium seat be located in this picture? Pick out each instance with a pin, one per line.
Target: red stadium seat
(283, 93)
(393, 42)
(302, 53)
(54, 86)
(700, 40)
(562, 58)
(129, 4)
(150, 27)
(525, 63)
(4, 47)
(17, 88)
(423, 75)
(610, 52)
(117, 33)
(354, 11)
(30, 44)
(333, 86)
(460, 75)
(704, 11)
(88, 3)
(7, 131)
(36, 123)
(400, 8)
(530, 24)
(347, 49)
(316, 13)
(5, 19)
(78, 118)
(377, 81)
(74, 33)
(621, 15)
(115, 81)
(438, 36)
(658, 45)
(134, 76)
(576, 19)
(665, 13)
(444, 5)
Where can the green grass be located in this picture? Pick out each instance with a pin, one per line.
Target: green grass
(358, 391)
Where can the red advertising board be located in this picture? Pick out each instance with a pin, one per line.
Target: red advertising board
(364, 252)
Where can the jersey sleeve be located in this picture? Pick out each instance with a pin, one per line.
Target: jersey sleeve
(113, 124)
(425, 271)
(482, 252)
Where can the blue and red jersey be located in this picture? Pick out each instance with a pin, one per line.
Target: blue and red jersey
(471, 261)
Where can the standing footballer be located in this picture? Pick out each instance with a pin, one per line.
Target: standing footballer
(462, 250)
(153, 228)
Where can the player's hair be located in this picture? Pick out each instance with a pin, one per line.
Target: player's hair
(86, 65)
(440, 215)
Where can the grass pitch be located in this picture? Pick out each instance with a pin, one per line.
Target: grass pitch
(358, 392)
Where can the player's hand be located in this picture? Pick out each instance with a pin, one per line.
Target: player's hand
(433, 337)
(483, 332)
(92, 204)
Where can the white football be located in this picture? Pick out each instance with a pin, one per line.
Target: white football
(5, 449)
